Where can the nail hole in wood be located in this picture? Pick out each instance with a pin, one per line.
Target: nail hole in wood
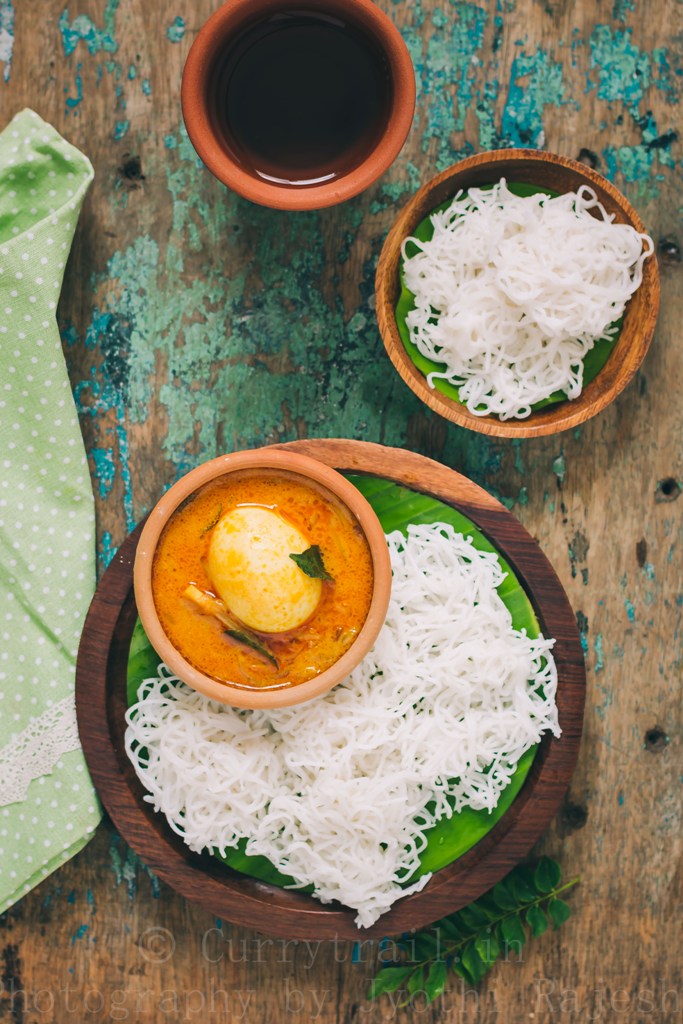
(572, 816)
(669, 250)
(656, 739)
(587, 156)
(641, 552)
(131, 171)
(668, 489)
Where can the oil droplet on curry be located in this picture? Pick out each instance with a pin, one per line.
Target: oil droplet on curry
(232, 600)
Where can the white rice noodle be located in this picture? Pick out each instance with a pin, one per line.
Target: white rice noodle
(512, 292)
(335, 791)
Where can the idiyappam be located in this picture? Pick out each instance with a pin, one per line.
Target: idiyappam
(338, 792)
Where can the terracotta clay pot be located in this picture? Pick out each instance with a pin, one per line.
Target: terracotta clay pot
(215, 39)
(309, 470)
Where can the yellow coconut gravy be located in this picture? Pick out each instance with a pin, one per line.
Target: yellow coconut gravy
(242, 528)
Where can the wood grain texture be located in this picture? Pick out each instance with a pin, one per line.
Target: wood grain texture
(559, 174)
(194, 324)
(101, 706)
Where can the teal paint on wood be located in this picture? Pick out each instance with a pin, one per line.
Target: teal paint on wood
(127, 867)
(623, 73)
(622, 69)
(6, 37)
(274, 341)
(80, 933)
(448, 74)
(599, 648)
(176, 30)
(622, 8)
(252, 356)
(286, 360)
(105, 468)
(536, 81)
(582, 623)
(95, 397)
(106, 552)
(72, 102)
(83, 28)
(97, 41)
(560, 469)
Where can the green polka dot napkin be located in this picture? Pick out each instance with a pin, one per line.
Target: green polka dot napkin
(48, 807)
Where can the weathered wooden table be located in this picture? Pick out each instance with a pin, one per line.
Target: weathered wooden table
(195, 323)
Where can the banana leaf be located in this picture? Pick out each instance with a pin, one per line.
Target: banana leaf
(593, 362)
(450, 838)
(143, 662)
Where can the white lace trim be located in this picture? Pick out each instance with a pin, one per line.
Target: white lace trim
(35, 751)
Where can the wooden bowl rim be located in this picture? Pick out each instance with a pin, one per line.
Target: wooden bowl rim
(634, 340)
(101, 704)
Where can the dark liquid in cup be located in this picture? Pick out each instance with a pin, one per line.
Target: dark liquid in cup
(301, 99)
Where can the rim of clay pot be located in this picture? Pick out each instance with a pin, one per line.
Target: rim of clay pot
(309, 470)
(232, 18)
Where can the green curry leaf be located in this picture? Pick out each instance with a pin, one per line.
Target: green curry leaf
(470, 941)
(213, 522)
(311, 563)
(242, 636)
(389, 979)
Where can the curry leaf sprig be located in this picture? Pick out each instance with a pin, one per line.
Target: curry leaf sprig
(470, 941)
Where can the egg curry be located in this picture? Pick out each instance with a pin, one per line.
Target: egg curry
(262, 579)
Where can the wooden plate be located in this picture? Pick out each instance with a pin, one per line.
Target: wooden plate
(101, 706)
(559, 174)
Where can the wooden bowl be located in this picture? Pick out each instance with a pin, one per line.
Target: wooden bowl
(561, 175)
(201, 119)
(308, 470)
(101, 707)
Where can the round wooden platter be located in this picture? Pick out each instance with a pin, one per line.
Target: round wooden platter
(101, 706)
(559, 174)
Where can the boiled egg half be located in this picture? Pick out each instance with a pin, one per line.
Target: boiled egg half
(249, 566)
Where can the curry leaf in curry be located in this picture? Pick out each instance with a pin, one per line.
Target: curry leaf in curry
(214, 521)
(249, 640)
(211, 605)
(311, 562)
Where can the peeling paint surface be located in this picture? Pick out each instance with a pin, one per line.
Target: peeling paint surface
(176, 31)
(6, 37)
(83, 28)
(620, 72)
(126, 868)
(195, 323)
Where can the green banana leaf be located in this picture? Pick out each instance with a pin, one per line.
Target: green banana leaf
(143, 662)
(450, 838)
(593, 362)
